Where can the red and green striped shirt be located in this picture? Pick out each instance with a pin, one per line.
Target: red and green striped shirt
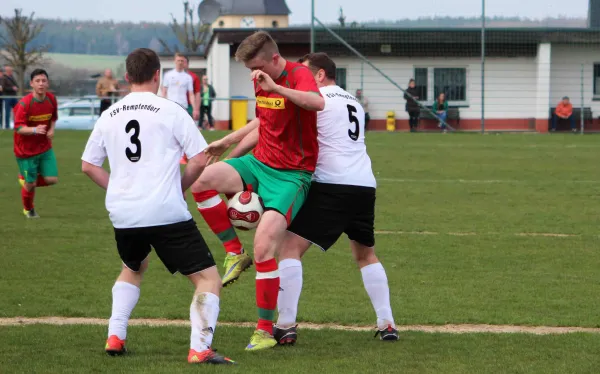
(288, 134)
(30, 112)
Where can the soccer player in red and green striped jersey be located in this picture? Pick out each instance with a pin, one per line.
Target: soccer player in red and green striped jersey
(35, 117)
(280, 170)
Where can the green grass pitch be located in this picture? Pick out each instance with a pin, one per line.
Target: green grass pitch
(472, 229)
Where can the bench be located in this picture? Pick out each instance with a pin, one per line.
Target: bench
(563, 124)
(453, 114)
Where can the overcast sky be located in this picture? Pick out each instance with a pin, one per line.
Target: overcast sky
(325, 10)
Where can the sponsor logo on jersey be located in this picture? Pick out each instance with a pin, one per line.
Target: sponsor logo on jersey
(270, 102)
(40, 117)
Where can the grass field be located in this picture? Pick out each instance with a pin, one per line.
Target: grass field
(472, 229)
(84, 61)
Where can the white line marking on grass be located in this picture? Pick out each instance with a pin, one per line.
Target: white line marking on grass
(486, 181)
(524, 234)
(446, 329)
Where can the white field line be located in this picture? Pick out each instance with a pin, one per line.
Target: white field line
(521, 234)
(485, 181)
(447, 329)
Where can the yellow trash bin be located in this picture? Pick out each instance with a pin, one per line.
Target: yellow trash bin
(239, 112)
(391, 121)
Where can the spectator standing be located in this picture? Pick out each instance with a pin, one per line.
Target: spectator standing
(106, 87)
(178, 86)
(208, 94)
(10, 90)
(195, 85)
(440, 108)
(564, 110)
(365, 104)
(412, 105)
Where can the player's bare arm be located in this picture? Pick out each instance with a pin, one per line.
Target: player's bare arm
(50, 132)
(195, 167)
(96, 173)
(163, 91)
(305, 100)
(195, 108)
(38, 130)
(246, 145)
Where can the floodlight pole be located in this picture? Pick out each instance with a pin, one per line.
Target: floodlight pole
(312, 26)
(482, 66)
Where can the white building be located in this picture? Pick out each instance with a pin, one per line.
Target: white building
(527, 71)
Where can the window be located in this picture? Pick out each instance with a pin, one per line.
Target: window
(275, 24)
(421, 83)
(452, 82)
(340, 77)
(597, 79)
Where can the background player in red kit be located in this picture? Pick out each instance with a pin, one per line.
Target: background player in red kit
(35, 116)
(280, 170)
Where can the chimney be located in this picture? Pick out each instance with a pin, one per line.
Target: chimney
(594, 14)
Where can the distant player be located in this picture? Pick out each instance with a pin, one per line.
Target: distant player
(143, 137)
(280, 170)
(35, 117)
(178, 86)
(341, 200)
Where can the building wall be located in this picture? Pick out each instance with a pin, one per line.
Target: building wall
(566, 75)
(261, 21)
(509, 84)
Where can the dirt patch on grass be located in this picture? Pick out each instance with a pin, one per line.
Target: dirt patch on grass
(447, 329)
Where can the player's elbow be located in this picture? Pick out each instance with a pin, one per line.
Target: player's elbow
(319, 104)
(87, 168)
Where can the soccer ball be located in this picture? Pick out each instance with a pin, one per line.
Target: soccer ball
(244, 210)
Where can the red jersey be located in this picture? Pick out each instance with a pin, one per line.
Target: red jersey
(31, 112)
(196, 85)
(288, 133)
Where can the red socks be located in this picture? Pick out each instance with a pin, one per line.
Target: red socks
(27, 198)
(214, 212)
(267, 290)
(41, 182)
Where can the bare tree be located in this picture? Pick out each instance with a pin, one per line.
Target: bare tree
(20, 31)
(192, 35)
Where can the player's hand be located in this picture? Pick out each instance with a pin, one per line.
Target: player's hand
(264, 80)
(196, 114)
(215, 150)
(50, 134)
(41, 129)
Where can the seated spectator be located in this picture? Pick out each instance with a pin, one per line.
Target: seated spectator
(440, 108)
(564, 110)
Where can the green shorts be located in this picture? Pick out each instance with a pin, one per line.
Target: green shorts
(43, 164)
(281, 190)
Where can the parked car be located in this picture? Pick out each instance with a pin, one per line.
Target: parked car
(78, 114)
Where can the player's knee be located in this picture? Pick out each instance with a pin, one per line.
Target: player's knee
(363, 255)
(293, 247)
(51, 180)
(29, 186)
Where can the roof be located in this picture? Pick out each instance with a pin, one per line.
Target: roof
(412, 41)
(254, 7)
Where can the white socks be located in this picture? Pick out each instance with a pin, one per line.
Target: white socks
(376, 284)
(290, 287)
(125, 297)
(204, 313)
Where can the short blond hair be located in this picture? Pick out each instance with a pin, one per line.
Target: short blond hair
(258, 43)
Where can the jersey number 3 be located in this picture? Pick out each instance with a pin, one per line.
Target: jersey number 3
(135, 140)
(352, 118)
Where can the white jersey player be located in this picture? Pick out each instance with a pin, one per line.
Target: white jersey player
(178, 86)
(144, 136)
(341, 200)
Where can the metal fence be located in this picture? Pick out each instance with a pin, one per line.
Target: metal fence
(496, 73)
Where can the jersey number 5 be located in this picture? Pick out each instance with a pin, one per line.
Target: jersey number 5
(352, 118)
(135, 140)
